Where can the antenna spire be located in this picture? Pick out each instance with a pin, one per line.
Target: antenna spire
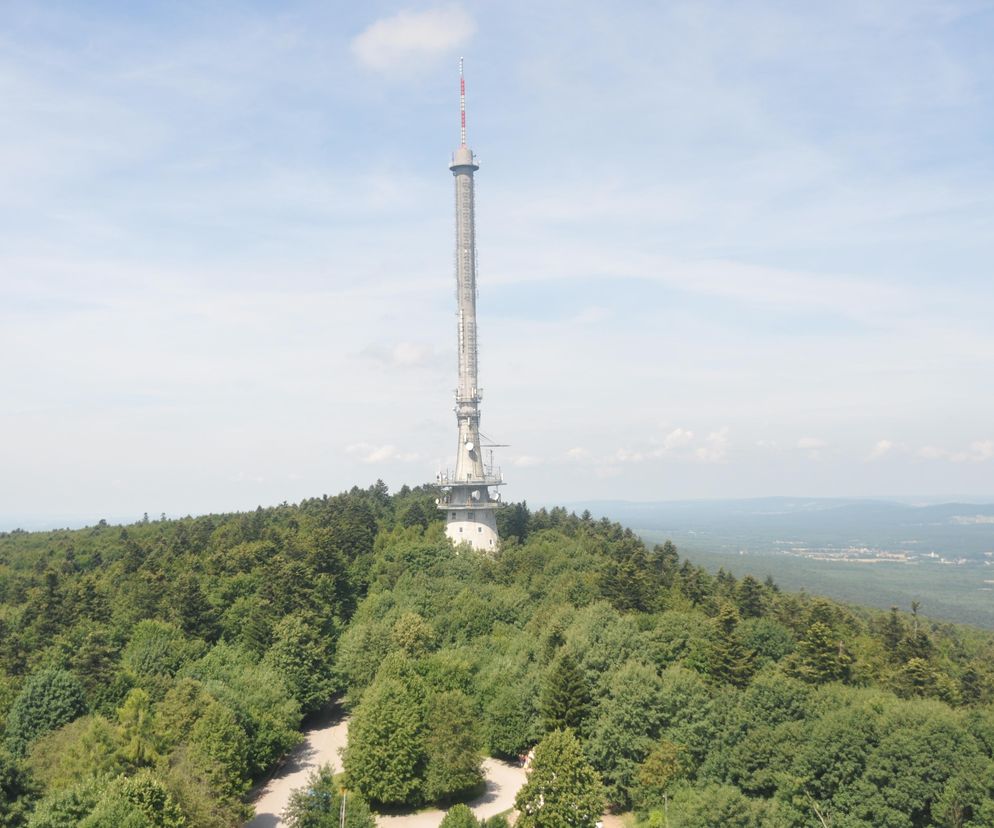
(462, 107)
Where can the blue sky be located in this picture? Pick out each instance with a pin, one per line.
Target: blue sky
(726, 249)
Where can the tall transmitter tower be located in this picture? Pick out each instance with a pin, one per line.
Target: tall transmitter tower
(466, 499)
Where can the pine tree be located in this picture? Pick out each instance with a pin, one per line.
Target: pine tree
(820, 657)
(750, 598)
(728, 660)
(196, 616)
(565, 700)
(892, 635)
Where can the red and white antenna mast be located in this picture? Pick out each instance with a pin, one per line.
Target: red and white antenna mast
(462, 107)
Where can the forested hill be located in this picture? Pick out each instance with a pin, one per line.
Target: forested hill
(151, 672)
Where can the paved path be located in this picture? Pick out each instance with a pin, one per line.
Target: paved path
(503, 781)
(321, 746)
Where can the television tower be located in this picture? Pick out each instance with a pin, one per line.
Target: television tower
(466, 499)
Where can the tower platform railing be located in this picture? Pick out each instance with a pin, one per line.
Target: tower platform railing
(491, 477)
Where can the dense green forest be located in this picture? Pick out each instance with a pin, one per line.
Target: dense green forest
(151, 673)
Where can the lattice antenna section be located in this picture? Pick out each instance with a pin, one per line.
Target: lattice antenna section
(462, 107)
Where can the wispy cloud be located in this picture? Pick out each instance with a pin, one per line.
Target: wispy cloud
(677, 438)
(671, 444)
(979, 451)
(812, 447)
(403, 355)
(409, 40)
(715, 448)
(368, 453)
(881, 449)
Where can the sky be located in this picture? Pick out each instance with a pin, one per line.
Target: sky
(725, 250)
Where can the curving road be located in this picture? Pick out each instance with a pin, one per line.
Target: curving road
(322, 745)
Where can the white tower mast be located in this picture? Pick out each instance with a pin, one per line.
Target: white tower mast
(466, 499)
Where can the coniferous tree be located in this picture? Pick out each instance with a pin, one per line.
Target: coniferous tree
(666, 560)
(820, 656)
(728, 661)
(16, 792)
(197, 618)
(49, 699)
(565, 700)
(916, 644)
(750, 598)
(892, 635)
(385, 757)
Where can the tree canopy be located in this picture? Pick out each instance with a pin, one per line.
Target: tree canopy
(165, 666)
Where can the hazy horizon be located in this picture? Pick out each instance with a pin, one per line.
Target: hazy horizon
(43, 522)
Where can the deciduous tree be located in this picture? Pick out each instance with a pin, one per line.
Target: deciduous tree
(563, 790)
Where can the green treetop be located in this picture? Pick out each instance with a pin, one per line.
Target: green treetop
(563, 790)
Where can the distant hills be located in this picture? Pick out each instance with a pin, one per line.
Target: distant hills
(770, 524)
(875, 552)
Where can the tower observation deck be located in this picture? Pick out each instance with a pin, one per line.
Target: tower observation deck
(466, 497)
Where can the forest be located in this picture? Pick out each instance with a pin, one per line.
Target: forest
(150, 674)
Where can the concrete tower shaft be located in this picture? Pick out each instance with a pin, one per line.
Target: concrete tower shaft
(469, 462)
(471, 511)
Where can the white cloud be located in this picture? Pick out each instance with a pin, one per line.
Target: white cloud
(983, 449)
(812, 447)
(715, 448)
(380, 454)
(678, 438)
(882, 448)
(624, 455)
(669, 445)
(979, 452)
(526, 460)
(411, 39)
(577, 454)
